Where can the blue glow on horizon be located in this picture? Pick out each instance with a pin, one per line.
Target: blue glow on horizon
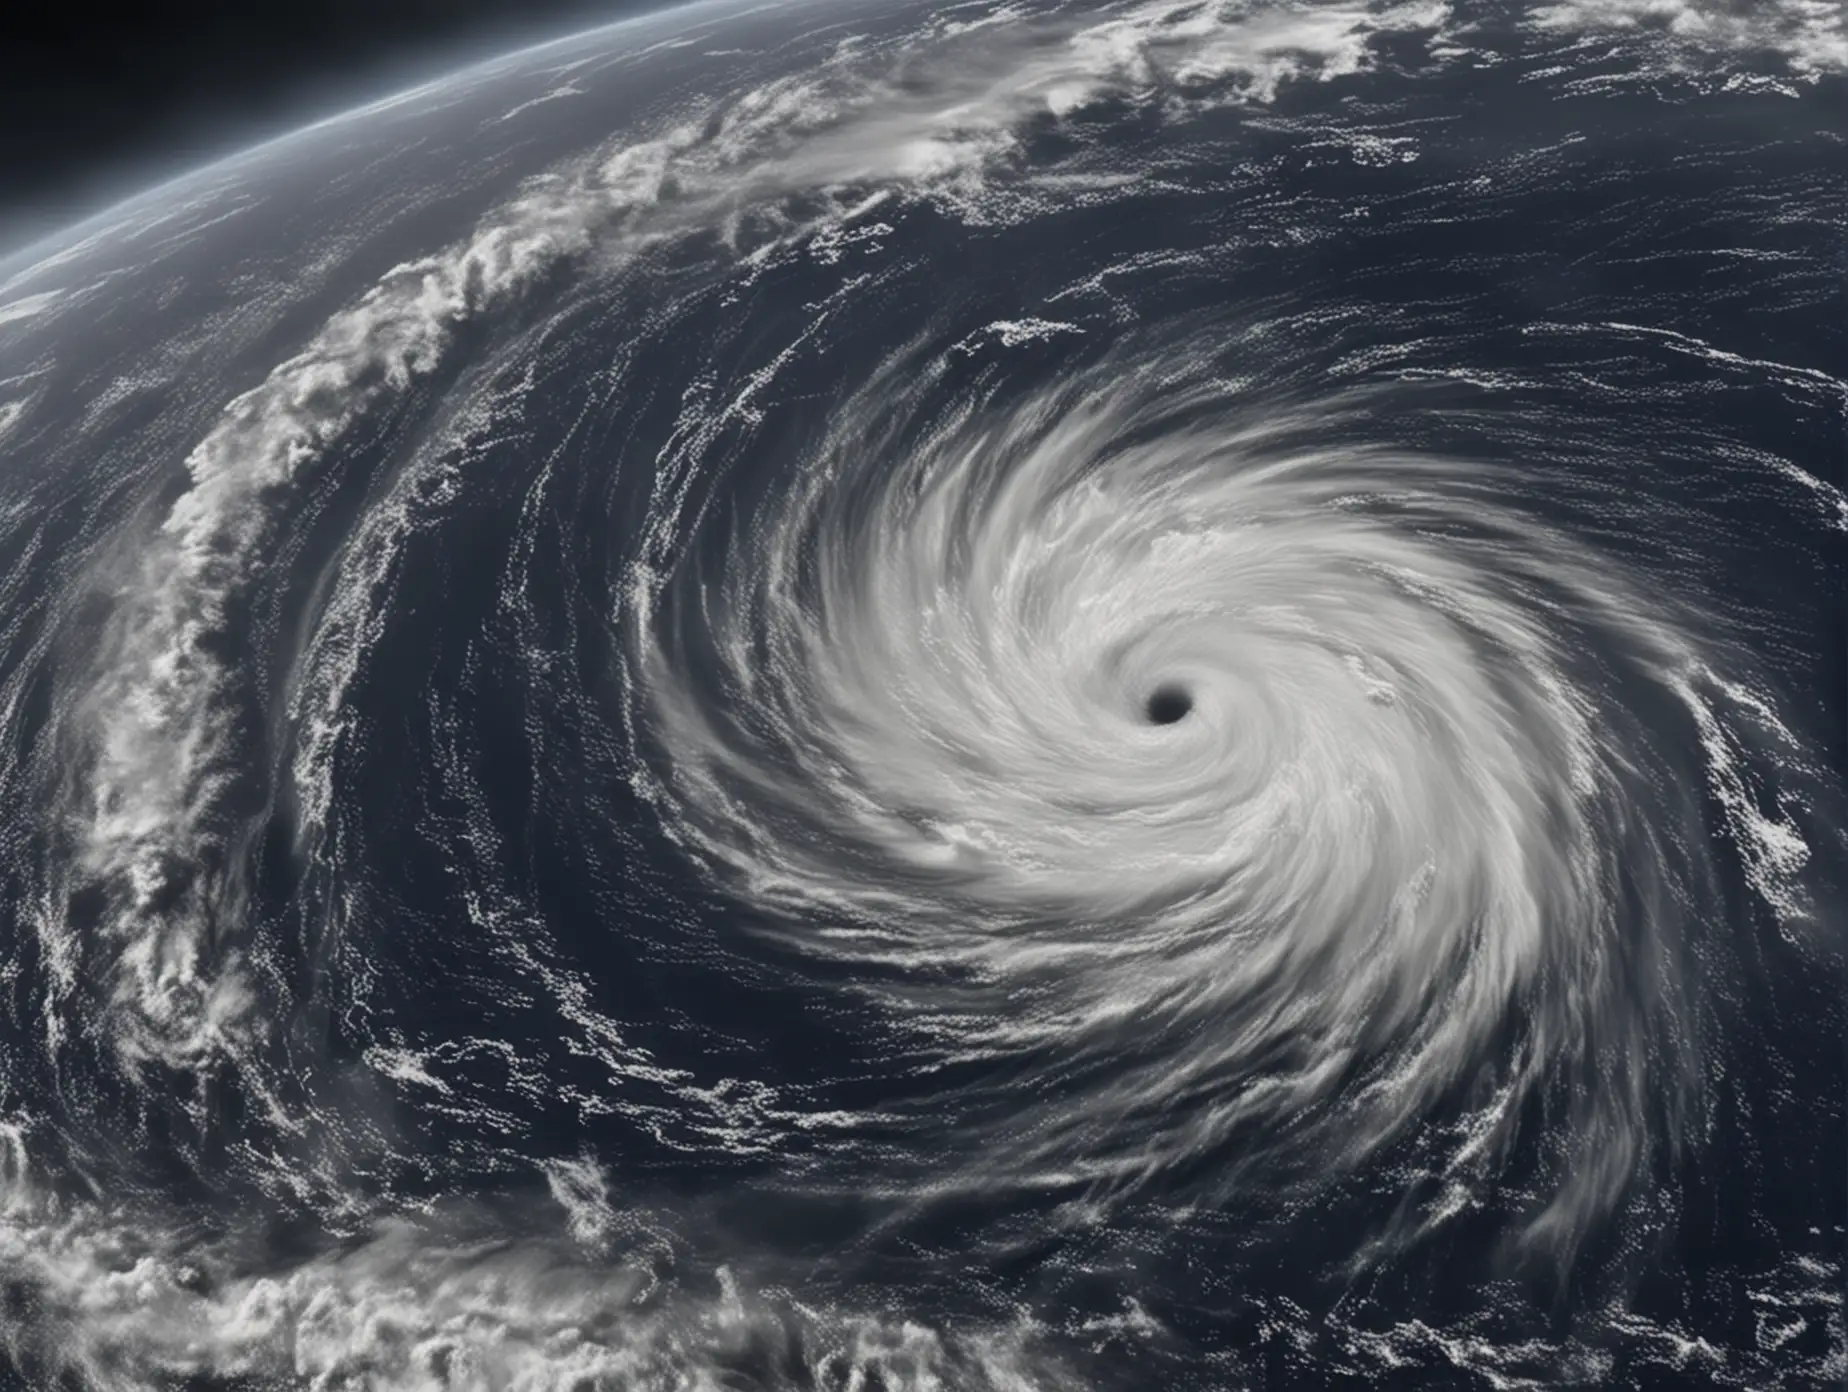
(30, 233)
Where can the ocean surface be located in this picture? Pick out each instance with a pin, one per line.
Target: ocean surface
(992, 696)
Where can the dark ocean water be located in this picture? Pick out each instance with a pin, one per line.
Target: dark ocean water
(572, 688)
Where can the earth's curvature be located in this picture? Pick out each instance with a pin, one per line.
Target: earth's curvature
(971, 697)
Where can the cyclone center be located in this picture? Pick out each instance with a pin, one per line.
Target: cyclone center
(1167, 704)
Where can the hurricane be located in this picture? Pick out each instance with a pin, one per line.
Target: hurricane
(1002, 696)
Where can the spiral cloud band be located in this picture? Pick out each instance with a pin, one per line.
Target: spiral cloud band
(1002, 697)
(916, 711)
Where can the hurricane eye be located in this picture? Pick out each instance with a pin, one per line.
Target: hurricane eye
(1167, 705)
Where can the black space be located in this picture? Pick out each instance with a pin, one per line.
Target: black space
(1168, 704)
(98, 103)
